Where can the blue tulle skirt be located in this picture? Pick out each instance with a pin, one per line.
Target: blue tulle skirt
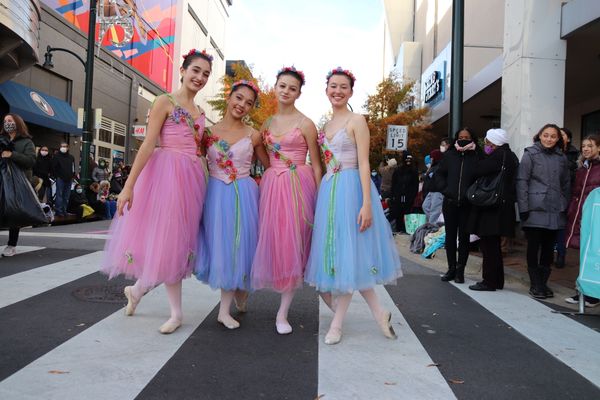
(228, 238)
(343, 259)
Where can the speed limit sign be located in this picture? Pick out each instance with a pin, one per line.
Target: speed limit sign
(397, 137)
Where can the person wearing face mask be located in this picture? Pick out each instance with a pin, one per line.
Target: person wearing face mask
(454, 175)
(376, 178)
(445, 144)
(117, 181)
(405, 187)
(43, 170)
(101, 172)
(63, 165)
(493, 222)
(543, 189)
(23, 155)
(78, 203)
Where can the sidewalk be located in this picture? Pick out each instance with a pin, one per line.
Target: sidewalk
(562, 281)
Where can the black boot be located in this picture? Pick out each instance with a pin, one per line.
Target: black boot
(448, 276)
(460, 274)
(545, 275)
(536, 290)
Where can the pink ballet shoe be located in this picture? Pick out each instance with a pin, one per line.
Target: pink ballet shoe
(386, 325)
(228, 322)
(170, 326)
(283, 327)
(334, 336)
(132, 303)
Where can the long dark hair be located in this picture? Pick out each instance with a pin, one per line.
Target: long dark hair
(22, 130)
(560, 143)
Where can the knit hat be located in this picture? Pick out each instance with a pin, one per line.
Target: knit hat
(498, 137)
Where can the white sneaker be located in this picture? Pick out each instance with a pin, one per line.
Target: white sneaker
(9, 251)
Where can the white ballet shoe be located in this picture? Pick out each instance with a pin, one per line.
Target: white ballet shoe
(228, 322)
(170, 326)
(334, 336)
(283, 327)
(132, 303)
(386, 326)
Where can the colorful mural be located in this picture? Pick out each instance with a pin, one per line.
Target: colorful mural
(151, 49)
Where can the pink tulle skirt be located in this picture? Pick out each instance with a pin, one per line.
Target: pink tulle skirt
(156, 240)
(286, 213)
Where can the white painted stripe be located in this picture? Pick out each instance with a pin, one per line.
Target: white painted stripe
(573, 343)
(18, 287)
(117, 357)
(25, 249)
(60, 235)
(366, 365)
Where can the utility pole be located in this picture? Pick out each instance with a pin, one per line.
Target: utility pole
(456, 78)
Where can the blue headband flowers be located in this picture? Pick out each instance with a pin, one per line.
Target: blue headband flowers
(341, 71)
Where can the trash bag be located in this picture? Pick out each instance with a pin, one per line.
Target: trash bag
(413, 221)
(19, 205)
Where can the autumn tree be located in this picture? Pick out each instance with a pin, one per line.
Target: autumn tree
(392, 105)
(265, 106)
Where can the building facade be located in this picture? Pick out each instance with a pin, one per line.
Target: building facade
(126, 78)
(526, 63)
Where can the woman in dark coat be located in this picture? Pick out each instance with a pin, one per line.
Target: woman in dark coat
(454, 175)
(43, 169)
(586, 180)
(491, 223)
(543, 185)
(405, 186)
(23, 156)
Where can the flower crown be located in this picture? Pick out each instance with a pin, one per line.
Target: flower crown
(244, 82)
(202, 53)
(294, 70)
(341, 71)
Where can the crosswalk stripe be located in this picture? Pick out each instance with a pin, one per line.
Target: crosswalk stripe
(115, 358)
(17, 287)
(366, 365)
(571, 342)
(26, 249)
(63, 235)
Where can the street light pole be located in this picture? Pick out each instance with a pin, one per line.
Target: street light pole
(88, 126)
(456, 75)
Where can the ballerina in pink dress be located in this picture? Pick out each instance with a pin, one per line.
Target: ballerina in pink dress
(287, 197)
(154, 237)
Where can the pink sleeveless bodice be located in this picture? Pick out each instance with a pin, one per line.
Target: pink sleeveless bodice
(344, 151)
(240, 154)
(293, 146)
(178, 136)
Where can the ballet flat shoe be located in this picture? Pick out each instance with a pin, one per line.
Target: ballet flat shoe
(283, 328)
(233, 324)
(169, 327)
(334, 336)
(386, 326)
(131, 301)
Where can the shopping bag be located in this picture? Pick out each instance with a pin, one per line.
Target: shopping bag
(589, 269)
(413, 221)
(19, 203)
(87, 210)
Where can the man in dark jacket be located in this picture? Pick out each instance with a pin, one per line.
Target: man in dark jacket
(405, 186)
(493, 222)
(63, 165)
(455, 174)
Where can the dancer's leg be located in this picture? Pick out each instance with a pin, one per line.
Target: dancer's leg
(382, 316)
(224, 310)
(174, 295)
(281, 323)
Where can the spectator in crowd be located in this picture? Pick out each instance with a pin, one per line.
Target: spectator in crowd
(405, 186)
(493, 222)
(586, 180)
(387, 172)
(101, 172)
(78, 203)
(445, 144)
(376, 178)
(543, 193)
(23, 156)
(117, 181)
(572, 154)
(432, 204)
(43, 170)
(105, 196)
(94, 200)
(63, 166)
(454, 175)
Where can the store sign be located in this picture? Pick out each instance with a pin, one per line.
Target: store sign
(433, 86)
(42, 103)
(139, 131)
(397, 137)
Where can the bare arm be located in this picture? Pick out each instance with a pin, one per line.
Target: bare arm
(362, 136)
(309, 130)
(259, 149)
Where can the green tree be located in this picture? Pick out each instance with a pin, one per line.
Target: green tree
(391, 105)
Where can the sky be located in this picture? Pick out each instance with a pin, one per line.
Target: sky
(314, 36)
